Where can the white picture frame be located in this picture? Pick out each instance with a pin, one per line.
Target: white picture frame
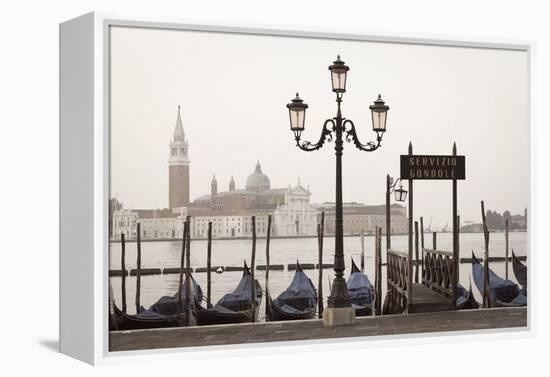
(84, 121)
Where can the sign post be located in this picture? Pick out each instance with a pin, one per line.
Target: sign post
(455, 237)
(435, 167)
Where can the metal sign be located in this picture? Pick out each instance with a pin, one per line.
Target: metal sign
(433, 167)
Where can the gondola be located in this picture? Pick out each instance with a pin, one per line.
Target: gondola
(361, 292)
(502, 292)
(145, 319)
(235, 307)
(519, 300)
(465, 299)
(161, 314)
(168, 305)
(520, 270)
(298, 301)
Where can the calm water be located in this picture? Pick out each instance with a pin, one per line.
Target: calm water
(283, 251)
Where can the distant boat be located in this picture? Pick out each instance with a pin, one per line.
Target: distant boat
(361, 292)
(520, 270)
(298, 301)
(502, 292)
(235, 307)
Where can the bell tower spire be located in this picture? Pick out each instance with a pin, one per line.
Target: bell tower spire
(179, 135)
(178, 165)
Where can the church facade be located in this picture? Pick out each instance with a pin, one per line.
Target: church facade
(292, 213)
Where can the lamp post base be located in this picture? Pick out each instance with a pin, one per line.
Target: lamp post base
(338, 316)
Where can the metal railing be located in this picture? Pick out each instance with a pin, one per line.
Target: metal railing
(399, 282)
(438, 271)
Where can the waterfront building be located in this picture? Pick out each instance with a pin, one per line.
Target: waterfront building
(295, 216)
(160, 223)
(359, 217)
(155, 223)
(228, 224)
(471, 227)
(124, 221)
(518, 221)
(290, 207)
(257, 195)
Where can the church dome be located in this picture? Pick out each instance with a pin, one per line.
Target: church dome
(258, 181)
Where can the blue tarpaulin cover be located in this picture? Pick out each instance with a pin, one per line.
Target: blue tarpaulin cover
(360, 289)
(167, 305)
(500, 289)
(299, 297)
(240, 298)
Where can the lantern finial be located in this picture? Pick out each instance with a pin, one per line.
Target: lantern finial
(297, 109)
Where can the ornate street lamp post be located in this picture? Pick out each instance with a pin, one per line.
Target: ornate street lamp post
(339, 309)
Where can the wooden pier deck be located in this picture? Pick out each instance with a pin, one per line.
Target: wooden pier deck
(426, 300)
(464, 320)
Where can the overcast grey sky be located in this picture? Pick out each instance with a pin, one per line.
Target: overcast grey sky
(233, 89)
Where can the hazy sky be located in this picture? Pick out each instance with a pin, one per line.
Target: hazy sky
(233, 89)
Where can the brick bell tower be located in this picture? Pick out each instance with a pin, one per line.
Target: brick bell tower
(178, 165)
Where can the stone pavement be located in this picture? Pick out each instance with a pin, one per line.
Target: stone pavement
(313, 329)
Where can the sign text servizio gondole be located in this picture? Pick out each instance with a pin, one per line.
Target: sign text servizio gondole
(433, 167)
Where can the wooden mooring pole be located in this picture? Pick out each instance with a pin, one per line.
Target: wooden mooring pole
(376, 277)
(209, 267)
(388, 214)
(252, 268)
(416, 256)
(188, 291)
(422, 243)
(457, 262)
(378, 272)
(320, 298)
(363, 250)
(267, 241)
(434, 240)
(182, 266)
(123, 268)
(506, 240)
(486, 298)
(458, 238)
(138, 269)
